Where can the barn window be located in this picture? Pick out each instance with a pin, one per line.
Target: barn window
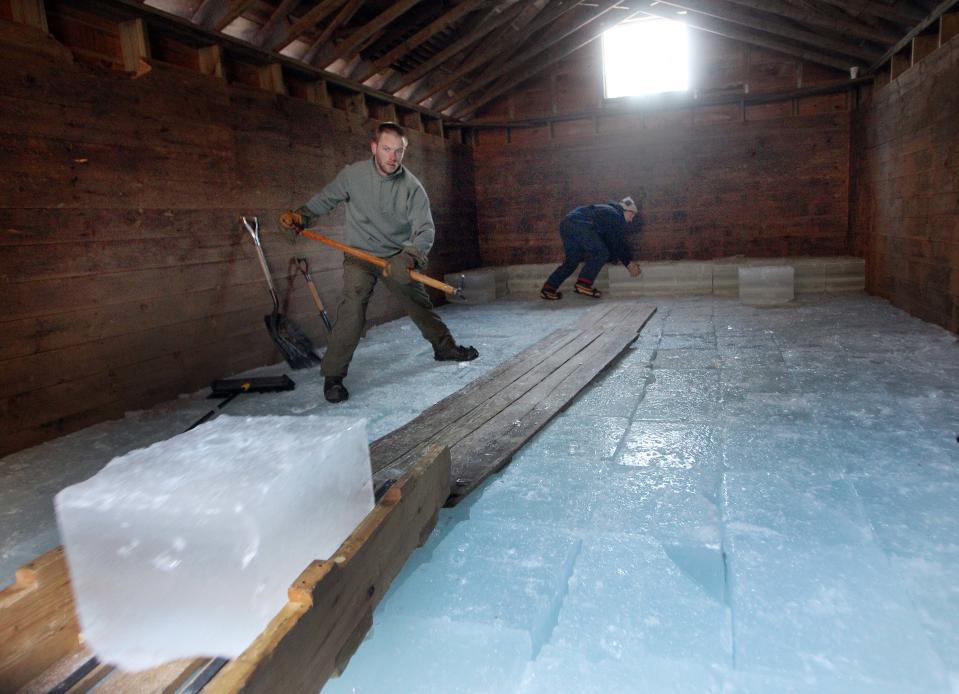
(646, 57)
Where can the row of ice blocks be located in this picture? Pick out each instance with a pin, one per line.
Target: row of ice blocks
(691, 278)
(187, 548)
(480, 286)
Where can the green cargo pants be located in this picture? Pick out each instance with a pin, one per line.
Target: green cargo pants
(359, 278)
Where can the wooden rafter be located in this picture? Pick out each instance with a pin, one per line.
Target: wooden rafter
(309, 20)
(535, 47)
(732, 31)
(355, 41)
(342, 17)
(273, 29)
(217, 14)
(501, 44)
(542, 62)
(900, 12)
(711, 8)
(434, 27)
(397, 82)
(934, 16)
(817, 19)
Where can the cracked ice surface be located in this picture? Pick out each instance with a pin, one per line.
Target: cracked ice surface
(748, 500)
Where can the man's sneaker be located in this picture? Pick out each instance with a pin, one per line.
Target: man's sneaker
(334, 390)
(550, 294)
(455, 353)
(587, 290)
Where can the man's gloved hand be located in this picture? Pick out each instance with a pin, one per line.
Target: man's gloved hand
(291, 220)
(398, 267)
(634, 269)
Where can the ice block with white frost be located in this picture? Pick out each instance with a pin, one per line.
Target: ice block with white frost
(187, 548)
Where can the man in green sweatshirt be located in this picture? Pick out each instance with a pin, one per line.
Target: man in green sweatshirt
(388, 215)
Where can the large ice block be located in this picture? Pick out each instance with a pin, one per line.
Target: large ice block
(766, 285)
(187, 548)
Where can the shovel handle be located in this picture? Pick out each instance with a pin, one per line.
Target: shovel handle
(368, 257)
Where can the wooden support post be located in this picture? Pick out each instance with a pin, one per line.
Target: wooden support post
(210, 60)
(948, 27)
(30, 12)
(389, 111)
(271, 78)
(134, 43)
(317, 93)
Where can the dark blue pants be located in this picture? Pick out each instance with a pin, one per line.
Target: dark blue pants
(579, 241)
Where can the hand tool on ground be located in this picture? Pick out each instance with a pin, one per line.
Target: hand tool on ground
(453, 292)
(304, 267)
(293, 343)
(229, 388)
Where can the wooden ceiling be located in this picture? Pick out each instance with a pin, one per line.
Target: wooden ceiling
(454, 56)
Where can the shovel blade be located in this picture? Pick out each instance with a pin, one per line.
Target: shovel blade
(294, 345)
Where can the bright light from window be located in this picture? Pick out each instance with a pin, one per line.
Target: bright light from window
(646, 57)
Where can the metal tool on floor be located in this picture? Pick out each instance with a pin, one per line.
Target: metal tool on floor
(229, 388)
(304, 267)
(452, 292)
(292, 342)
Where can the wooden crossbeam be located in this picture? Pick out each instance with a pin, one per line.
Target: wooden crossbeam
(901, 12)
(437, 25)
(282, 38)
(808, 16)
(501, 45)
(354, 42)
(217, 14)
(510, 63)
(273, 29)
(342, 17)
(723, 11)
(937, 12)
(498, 18)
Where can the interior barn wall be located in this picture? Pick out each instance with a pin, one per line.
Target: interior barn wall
(756, 179)
(905, 203)
(127, 276)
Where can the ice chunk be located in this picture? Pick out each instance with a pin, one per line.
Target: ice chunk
(188, 547)
(766, 285)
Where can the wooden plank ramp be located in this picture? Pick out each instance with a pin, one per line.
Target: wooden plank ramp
(438, 457)
(487, 421)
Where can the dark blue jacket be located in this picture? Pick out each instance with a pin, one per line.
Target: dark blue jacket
(609, 222)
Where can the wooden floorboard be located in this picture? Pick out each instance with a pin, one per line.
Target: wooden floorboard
(486, 422)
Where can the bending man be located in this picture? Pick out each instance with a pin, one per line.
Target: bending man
(596, 232)
(388, 215)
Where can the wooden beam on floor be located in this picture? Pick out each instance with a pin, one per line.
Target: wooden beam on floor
(486, 422)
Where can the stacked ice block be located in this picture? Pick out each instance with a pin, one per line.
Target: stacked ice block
(187, 548)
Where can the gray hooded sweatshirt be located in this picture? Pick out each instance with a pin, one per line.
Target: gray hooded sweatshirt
(383, 213)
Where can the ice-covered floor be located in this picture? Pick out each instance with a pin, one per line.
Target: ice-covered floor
(749, 500)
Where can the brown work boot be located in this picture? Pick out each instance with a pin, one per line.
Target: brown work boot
(334, 390)
(587, 290)
(455, 353)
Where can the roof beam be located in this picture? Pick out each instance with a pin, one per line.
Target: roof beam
(731, 31)
(499, 46)
(342, 17)
(839, 25)
(710, 8)
(217, 14)
(500, 68)
(399, 80)
(310, 19)
(553, 56)
(354, 42)
(934, 16)
(274, 28)
(900, 12)
(434, 27)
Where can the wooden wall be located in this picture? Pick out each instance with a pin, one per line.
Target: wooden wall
(905, 203)
(127, 278)
(738, 178)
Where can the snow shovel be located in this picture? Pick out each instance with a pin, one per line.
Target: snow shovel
(287, 335)
(229, 388)
(304, 267)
